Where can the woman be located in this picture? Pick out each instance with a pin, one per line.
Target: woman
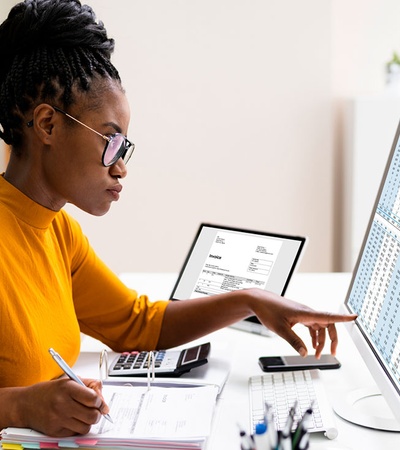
(64, 113)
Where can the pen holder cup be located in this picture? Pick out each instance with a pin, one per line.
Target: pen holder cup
(301, 443)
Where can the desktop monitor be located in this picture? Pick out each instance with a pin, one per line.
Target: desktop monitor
(374, 294)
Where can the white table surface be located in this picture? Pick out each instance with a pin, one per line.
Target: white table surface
(324, 291)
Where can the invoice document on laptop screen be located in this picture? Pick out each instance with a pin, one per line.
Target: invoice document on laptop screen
(224, 259)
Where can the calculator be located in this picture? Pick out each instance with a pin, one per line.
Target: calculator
(166, 363)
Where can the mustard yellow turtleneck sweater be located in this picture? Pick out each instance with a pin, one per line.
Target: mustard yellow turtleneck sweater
(52, 286)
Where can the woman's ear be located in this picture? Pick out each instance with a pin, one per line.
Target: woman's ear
(43, 122)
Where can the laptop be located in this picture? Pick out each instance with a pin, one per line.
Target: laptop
(223, 259)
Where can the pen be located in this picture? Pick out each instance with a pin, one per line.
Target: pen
(68, 371)
(304, 441)
(272, 433)
(302, 427)
(246, 443)
(286, 433)
(261, 440)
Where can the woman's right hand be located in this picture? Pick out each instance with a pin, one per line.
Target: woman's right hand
(60, 407)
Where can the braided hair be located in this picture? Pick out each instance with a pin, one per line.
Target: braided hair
(47, 49)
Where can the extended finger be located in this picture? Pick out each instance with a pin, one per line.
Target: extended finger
(326, 318)
(333, 337)
(321, 333)
(313, 334)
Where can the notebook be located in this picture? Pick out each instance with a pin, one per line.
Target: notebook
(158, 417)
(223, 259)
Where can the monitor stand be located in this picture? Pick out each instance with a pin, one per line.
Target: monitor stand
(368, 408)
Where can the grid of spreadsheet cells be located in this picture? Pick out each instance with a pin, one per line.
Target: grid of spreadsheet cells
(375, 294)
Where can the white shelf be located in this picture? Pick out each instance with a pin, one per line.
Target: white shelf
(371, 124)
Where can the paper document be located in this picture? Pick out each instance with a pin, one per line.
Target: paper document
(224, 271)
(158, 417)
(158, 412)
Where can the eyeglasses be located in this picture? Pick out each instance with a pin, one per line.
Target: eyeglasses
(117, 145)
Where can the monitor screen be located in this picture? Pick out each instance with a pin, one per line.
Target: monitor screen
(374, 292)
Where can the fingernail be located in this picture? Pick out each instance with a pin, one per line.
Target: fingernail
(302, 351)
(104, 409)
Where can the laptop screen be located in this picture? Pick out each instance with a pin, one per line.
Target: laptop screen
(223, 259)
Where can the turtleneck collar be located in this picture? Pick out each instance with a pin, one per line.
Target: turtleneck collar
(23, 207)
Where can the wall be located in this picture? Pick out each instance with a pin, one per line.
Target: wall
(231, 116)
(236, 115)
(364, 36)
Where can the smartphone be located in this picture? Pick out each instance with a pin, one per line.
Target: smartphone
(297, 362)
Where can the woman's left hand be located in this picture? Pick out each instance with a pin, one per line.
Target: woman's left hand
(281, 314)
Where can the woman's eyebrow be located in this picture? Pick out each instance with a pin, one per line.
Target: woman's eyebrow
(116, 127)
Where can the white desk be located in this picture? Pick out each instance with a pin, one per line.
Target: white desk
(321, 291)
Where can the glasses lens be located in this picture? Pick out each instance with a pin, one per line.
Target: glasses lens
(129, 148)
(117, 147)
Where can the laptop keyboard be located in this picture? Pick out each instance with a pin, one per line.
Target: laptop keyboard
(280, 390)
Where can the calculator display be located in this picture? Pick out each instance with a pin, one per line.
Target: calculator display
(191, 355)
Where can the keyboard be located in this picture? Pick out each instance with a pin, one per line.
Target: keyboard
(281, 390)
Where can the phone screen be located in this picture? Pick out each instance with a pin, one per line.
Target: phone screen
(297, 362)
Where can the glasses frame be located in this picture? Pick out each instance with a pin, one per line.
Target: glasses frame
(120, 154)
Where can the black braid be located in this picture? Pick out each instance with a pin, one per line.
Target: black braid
(48, 48)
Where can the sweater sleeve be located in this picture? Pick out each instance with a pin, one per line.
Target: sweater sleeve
(106, 309)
